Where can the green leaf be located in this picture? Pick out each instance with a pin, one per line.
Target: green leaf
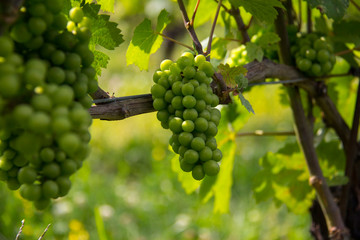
(206, 11)
(284, 178)
(268, 38)
(218, 48)
(146, 41)
(206, 186)
(246, 103)
(229, 73)
(334, 9)
(264, 10)
(344, 32)
(101, 61)
(104, 33)
(224, 181)
(337, 181)
(241, 81)
(254, 51)
(106, 5)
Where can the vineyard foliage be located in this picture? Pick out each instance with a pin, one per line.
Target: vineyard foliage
(324, 48)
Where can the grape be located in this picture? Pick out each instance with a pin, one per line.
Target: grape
(76, 14)
(211, 168)
(30, 192)
(198, 172)
(185, 103)
(27, 175)
(7, 46)
(315, 57)
(50, 189)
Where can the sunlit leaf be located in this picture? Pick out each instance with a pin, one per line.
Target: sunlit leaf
(146, 41)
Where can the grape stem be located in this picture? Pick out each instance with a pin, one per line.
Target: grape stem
(175, 41)
(190, 28)
(208, 50)
(194, 13)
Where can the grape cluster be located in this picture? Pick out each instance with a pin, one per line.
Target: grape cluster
(313, 55)
(186, 105)
(45, 78)
(238, 56)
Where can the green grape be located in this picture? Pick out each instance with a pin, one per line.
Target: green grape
(47, 155)
(55, 75)
(31, 192)
(41, 103)
(57, 57)
(169, 95)
(187, 89)
(13, 183)
(76, 14)
(211, 168)
(68, 167)
(27, 175)
(189, 101)
(177, 103)
(158, 91)
(182, 150)
(7, 46)
(211, 143)
(188, 126)
(64, 185)
(198, 144)
(199, 59)
(217, 155)
(185, 138)
(39, 122)
(37, 26)
(37, 10)
(205, 154)
(20, 33)
(189, 72)
(323, 55)
(191, 156)
(159, 104)
(165, 64)
(190, 114)
(42, 203)
(51, 170)
(198, 172)
(175, 125)
(69, 142)
(73, 61)
(201, 124)
(50, 189)
(185, 166)
(177, 88)
(9, 85)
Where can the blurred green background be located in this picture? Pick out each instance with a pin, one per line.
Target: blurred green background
(127, 189)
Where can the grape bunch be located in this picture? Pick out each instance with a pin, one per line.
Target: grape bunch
(45, 78)
(238, 57)
(186, 105)
(313, 55)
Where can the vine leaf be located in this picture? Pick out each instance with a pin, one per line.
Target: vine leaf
(264, 10)
(229, 73)
(334, 9)
(146, 41)
(224, 181)
(254, 51)
(104, 33)
(268, 38)
(246, 103)
(205, 11)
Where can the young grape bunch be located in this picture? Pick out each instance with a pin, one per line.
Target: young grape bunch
(186, 105)
(45, 78)
(313, 55)
(238, 57)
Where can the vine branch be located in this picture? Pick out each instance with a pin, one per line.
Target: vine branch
(208, 50)
(190, 28)
(351, 155)
(355, 4)
(194, 14)
(235, 12)
(329, 208)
